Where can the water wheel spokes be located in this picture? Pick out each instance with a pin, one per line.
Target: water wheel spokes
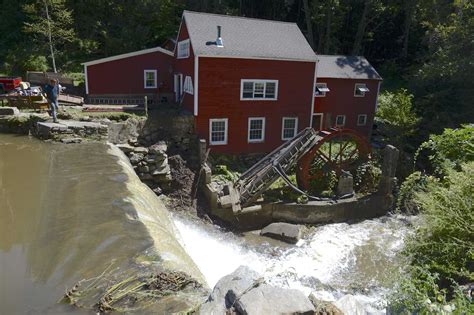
(342, 149)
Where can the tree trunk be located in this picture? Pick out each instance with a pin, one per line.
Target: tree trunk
(409, 8)
(327, 40)
(309, 23)
(50, 36)
(361, 29)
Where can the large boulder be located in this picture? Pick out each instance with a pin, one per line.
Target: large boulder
(244, 292)
(324, 307)
(286, 232)
(237, 282)
(266, 299)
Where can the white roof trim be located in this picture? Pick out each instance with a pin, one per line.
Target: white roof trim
(132, 54)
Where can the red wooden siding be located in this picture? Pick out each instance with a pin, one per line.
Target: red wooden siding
(341, 101)
(126, 76)
(185, 66)
(219, 97)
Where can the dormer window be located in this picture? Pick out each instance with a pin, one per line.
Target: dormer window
(321, 90)
(183, 49)
(360, 90)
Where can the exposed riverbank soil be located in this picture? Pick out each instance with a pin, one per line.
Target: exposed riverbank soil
(182, 195)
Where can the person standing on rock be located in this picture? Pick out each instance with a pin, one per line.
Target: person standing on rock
(52, 92)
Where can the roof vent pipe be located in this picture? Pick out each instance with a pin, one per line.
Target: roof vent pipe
(219, 41)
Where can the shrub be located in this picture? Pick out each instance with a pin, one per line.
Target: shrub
(441, 252)
(324, 185)
(367, 177)
(221, 173)
(446, 151)
(414, 183)
(395, 110)
(419, 293)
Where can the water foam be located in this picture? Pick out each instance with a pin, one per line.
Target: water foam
(321, 263)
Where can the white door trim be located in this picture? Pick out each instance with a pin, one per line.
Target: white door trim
(321, 115)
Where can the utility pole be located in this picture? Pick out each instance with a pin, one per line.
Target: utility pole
(50, 37)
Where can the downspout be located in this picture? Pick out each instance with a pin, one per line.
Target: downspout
(312, 93)
(196, 84)
(86, 81)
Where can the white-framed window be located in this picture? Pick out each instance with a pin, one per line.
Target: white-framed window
(361, 120)
(188, 85)
(360, 89)
(150, 78)
(289, 128)
(321, 90)
(183, 49)
(258, 90)
(256, 129)
(340, 120)
(218, 131)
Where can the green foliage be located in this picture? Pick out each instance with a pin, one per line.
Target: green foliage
(395, 109)
(59, 26)
(221, 173)
(325, 185)
(280, 191)
(414, 183)
(441, 252)
(419, 293)
(448, 150)
(443, 84)
(367, 177)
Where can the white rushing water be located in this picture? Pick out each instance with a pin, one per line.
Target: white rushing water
(331, 261)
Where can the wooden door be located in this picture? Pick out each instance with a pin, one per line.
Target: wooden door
(317, 121)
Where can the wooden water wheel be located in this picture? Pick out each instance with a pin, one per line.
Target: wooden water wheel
(338, 150)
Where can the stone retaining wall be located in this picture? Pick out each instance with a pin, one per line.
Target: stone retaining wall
(313, 212)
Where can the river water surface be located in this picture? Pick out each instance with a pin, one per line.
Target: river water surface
(69, 211)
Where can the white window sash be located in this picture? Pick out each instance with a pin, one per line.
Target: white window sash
(188, 85)
(343, 120)
(155, 79)
(262, 139)
(365, 120)
(323, 94)
(295, 129)
(253, 98)
(226, 124)
(186, 54)
(357, 86)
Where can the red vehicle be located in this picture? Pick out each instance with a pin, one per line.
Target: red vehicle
(8, 84)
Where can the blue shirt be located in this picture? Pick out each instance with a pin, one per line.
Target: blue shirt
(52, 91)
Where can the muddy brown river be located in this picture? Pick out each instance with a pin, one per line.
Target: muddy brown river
(69, 212)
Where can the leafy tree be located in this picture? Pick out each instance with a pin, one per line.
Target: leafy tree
(395, 109)
(49, 23)
(443, 86)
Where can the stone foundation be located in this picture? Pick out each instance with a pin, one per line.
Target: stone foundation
(313, 212)
(150, 164)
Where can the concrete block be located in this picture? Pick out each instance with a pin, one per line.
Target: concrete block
(8, 111)
(286, 232)
(345, 186)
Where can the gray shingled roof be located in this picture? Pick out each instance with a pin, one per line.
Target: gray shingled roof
(245, 37)
(346, 67)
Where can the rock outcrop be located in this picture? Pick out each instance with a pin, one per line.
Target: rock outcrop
(150, 164)
(290, 233)
(244, 292)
